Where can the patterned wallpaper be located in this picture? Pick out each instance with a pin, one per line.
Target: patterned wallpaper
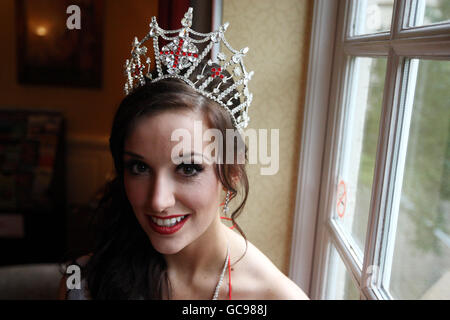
(277, 33)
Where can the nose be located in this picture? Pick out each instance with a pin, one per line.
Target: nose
(161, 195)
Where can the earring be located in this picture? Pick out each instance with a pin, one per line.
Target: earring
(225, 207)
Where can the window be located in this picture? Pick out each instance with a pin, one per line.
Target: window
(383, 206)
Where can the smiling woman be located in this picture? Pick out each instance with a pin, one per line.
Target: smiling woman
(188, 192)
(160, 232)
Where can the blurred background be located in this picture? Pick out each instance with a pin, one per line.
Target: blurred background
(59, 89)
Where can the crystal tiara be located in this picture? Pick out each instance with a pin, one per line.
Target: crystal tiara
(180, 58)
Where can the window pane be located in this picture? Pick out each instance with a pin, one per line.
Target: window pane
(358, 152)
(421, 261)
(372, 16)
(340, 285)
(430, 11)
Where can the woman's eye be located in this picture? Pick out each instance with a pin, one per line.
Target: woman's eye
(136, 167)
(190, 169)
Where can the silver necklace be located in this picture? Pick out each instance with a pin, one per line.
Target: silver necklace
(219, 284)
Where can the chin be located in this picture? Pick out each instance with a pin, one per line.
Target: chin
(166, 248)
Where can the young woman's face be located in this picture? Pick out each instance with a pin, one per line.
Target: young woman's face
(174, 203)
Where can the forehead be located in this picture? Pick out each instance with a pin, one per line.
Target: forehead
(151, 136)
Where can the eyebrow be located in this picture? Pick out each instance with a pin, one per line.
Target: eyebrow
(135, 155)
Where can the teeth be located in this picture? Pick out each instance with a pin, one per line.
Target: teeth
(167, 222)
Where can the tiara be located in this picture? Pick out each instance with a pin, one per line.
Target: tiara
(222, 80)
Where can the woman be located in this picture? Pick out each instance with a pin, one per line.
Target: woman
(162, 235)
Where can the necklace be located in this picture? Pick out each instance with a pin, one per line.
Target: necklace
(219, 284)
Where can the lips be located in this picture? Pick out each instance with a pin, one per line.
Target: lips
(167, 225)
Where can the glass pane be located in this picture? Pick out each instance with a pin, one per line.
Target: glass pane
(430, 11)
(359, 146)
(421, 261)
(372, 16)
(340, 285)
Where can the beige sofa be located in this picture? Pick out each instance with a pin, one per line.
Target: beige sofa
(30, 282)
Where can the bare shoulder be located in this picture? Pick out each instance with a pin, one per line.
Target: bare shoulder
(258, 278)
(274, 284)
(280, 287)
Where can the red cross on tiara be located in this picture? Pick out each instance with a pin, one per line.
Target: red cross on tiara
(175, 53)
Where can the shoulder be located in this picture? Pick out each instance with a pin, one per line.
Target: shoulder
(272, 283)
(280, 287)
(259, 279)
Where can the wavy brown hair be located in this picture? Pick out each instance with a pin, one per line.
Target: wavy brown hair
(124, 264)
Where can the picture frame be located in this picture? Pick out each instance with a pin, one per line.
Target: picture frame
(50, 51)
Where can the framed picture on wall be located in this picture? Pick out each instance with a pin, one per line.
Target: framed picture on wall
(59, 42)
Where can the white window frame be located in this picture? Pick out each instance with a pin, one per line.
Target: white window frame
(312, 143)
(313, 228)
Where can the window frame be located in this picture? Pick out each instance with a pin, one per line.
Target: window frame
(323, 112)
(312, 143)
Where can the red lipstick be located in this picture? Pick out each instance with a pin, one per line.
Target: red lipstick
(165, 229)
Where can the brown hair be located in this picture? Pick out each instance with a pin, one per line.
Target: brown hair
(124, 264)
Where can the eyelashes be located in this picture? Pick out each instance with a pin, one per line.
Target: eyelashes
(190, 170)
(139, 168)
(136, 167)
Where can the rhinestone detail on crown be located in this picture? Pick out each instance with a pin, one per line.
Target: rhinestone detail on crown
(180, 58)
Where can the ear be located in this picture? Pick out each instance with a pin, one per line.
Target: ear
(235, 178)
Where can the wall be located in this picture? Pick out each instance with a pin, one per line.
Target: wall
(277, 33)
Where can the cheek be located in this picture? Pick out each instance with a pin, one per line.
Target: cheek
(136, 191)
(205, 196)
(201, 196)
